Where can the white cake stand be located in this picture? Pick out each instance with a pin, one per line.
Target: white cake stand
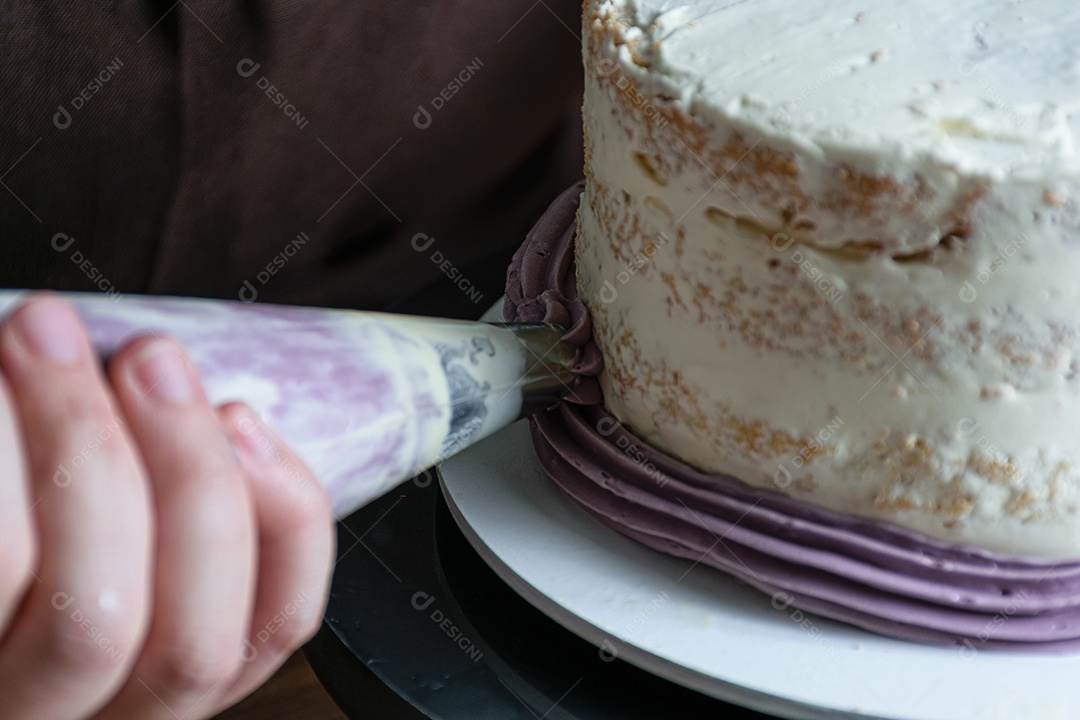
(700, 628)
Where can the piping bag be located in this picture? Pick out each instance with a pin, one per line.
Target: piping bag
(367, 400)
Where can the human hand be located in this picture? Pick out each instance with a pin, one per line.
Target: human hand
(159, 557)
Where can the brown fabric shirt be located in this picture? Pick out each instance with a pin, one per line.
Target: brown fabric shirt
(295, 150)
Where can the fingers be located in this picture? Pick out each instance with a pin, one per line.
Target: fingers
(205, 535)
(18, 542)
(181, 553)
(296, 547)
(77, 630)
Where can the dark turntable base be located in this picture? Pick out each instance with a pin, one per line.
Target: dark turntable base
(418, 626)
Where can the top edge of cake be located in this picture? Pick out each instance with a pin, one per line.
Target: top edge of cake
(981, 87)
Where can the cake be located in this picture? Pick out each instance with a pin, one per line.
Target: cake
(833, 263)
(827, 253)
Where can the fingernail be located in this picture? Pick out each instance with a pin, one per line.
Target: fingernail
(253, 437)
(51, 330)
(160, 373)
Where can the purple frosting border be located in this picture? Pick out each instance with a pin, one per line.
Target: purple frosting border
(880, 577)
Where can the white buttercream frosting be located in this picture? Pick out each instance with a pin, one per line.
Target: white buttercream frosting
(832, 248)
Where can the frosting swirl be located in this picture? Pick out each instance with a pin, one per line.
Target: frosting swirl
(540, 288)
(874, 575)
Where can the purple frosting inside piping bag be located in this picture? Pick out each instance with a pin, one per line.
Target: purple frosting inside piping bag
(874, 575)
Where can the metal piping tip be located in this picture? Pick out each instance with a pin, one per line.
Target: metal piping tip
(548, 377)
